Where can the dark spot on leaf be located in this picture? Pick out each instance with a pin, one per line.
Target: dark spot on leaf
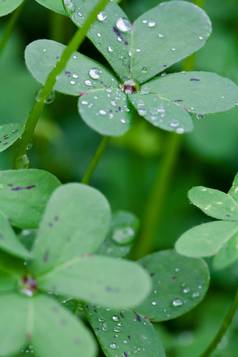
(120, 35)
(174, 277)
(122, 315)
(111, 289)
(126, 354)
(129, 337)
(63, 322)
(178, 100)
(46, 256)
(20, 188)
(193, 79)
(77, 341)
(138, 318)
(152, 274)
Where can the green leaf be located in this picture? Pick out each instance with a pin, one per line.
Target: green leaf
(9, 241)
(56, 332)
(105, 33)
(7, 6)
(55, 5)
(179, 284)
(214, 203)
(123, 231)
(9, 133)
(78, 77)
(233, 192)
(24, 194)
(124, 333)
(75, 222)
(13, 323)
(171, 31)
(227, 255)
(197, 92)
(8, 282)
(106, 111)
(206, 239)
(99, 280)
(162, 113)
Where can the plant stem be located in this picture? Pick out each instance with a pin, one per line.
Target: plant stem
(157, 196)
(94, 162)
(223, 329)
(10, 27)
(22, 144)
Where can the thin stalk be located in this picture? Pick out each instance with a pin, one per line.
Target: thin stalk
(34, 115)
(157, 196)
(94, 162)
(10, 27)
(223, 329)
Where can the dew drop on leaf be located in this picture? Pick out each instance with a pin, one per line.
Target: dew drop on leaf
(123, 25)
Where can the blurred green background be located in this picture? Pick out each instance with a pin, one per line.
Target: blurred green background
(131, 166)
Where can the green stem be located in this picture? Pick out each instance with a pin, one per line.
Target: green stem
(157, 196)
(223, 329)
(10, 27)
(94, 162)
(22, 144)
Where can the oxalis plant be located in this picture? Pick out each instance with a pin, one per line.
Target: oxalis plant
(65, 275)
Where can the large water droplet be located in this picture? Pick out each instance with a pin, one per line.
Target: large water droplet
(95, 73)
(124, 25)
(102, 16)
(177, 302)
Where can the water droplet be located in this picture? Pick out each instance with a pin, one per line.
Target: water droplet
(124, 25)
(102, 16)
(110, 49)
(88, 83)
(113, 346)
(180, 130)
(102, 112)
(72, 82)
(173, 49)
(177, 302)
(151, 24)
(154, 303)
(95, 73)
(186, 290)
(115, 318)
(161, 35)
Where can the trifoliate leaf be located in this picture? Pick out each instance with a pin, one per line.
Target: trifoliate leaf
(9, 133)
(7, 6)
(162, 113)
(24, 194)
(111, 32)
(9, 241)
(197, 92)
(179, 284)
(125, 333)
(56, 332)
(165, 35)
(214, 203)
(206, 239)
(99, 280)
(54, 5)
(75, 222)
(15, 317)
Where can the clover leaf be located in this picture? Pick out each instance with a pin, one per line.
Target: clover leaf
(62, 262)
(171, 31)
(24, 194)
(9, 133)
(179, 284)
(124, 333)
(217, 238)
(7, 6)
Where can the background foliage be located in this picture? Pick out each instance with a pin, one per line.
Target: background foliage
(126, 173)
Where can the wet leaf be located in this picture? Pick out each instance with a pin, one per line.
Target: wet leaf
(197, 92)
(99, 280)
(13, 308)
(56, 332)
(179, 284)
(54, 5)
(9, 133)
(80, 76)
(233, 192)
(214, 203)
(106, 111)
(124, 333)
(110, 33)
(7, 6)
(206, 239)
(75, 223)
(162, 113)
(122, 234)
(9, 241)
(171, 31)
(24, 194)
